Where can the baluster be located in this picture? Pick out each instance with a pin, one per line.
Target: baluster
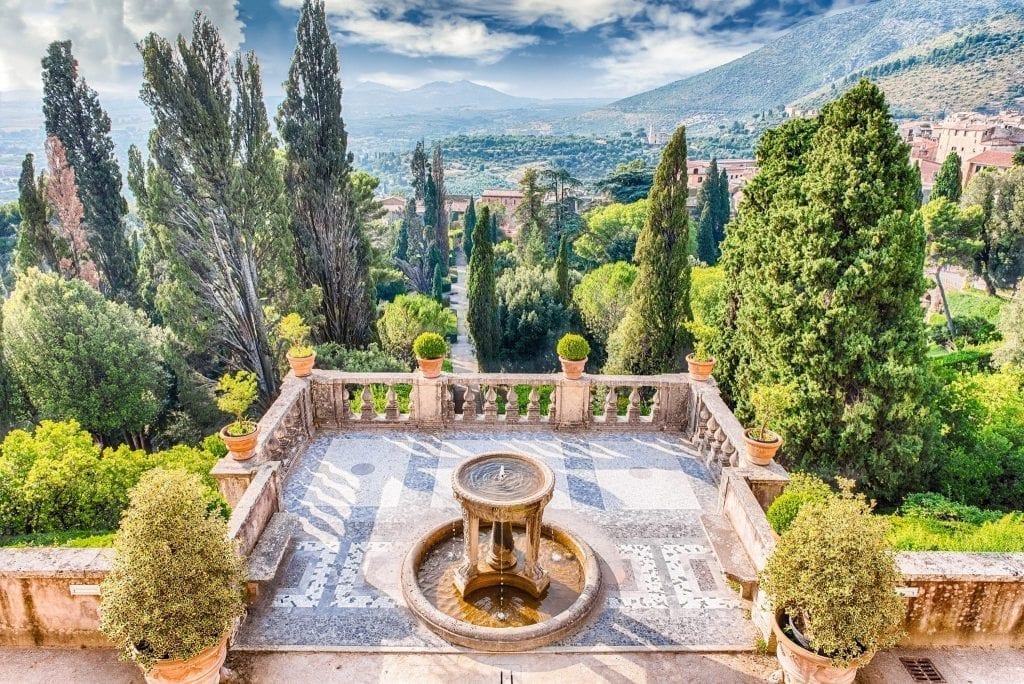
(533, 407)
(553, 411)
(633, 412)
(391, 407)
(720, 442)
(469, 405)
(656, 406)
(490, 405)
(611, 408)
(729, 455)
(341, 403)
(512, 405)
(367, 413)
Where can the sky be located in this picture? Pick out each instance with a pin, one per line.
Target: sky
(533, 48)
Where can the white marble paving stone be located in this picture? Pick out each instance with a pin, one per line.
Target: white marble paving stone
(639, 488)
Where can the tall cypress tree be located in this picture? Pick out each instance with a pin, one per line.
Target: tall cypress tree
(36, 243)
(437, 285)
(653, 336)
(468, 226)
(707, 246)
(440, 208)
(949, 181)
(334, 253)
(562, 271)
(73, 115)
(824, 266)
(724, 206)
(482, 316)
(494, 229)
(418, 165)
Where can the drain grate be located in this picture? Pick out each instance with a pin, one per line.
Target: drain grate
(922, 670)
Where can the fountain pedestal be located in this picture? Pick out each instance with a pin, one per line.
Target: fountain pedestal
(506, 491)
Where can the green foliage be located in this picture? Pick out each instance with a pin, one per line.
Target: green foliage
(802, 488)
(482, 316)
(407, 317)
(834, 573)
(713, 207)
(707, 294)
(603, 296)
(969, 330)
(36, 245)
(703, 336)
(437, 286)
(916, 533)
(934, 506)
(1011, 326)
(77, 355)
(469, 223)
(573, 347)
(823, 271)
(611, 232)
(531, 313)
(532, 214)
(429, 346)
(652, 337)
(72, 539)
(562, 271)
(389, 283)
(1000, 197)
(332, 356)
(176, 582)
(770, 403)
(629, 182)
(949, 180)
(294, 330)
(235, 395)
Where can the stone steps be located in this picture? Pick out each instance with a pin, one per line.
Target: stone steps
(265, 560)
(731, 556)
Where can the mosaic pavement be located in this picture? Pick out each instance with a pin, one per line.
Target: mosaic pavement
(363, 498)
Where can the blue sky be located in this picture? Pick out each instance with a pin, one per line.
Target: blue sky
(536, 48)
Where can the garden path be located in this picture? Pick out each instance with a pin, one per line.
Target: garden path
(463, 354)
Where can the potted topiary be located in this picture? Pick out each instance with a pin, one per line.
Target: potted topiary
(301, 355)
(700, 363)
(573, 351)
(430, 349)
(175, 584)
(832, 580)
(235, 394)
(770, 403)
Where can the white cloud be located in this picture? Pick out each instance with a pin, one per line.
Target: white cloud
(103, 33)
(408, 81)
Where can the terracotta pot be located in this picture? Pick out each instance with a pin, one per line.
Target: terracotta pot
(203, 669)
(699, 370)
(573, 369)
(431, 368)
(761, 453)
(805, 667)
(301, 365)
(241, 447)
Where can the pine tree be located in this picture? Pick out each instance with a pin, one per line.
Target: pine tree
(468, 225)
(824, 267)
(653, 336)
(562, 271)
(334, 253)
(36, 244)
(949, 181)
(74, 116)
(531, 213)
(437, 287)
(482, 316)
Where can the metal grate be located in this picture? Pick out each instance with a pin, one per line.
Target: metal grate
(922, 670)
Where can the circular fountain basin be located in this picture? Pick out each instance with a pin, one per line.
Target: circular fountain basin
(501, 616)
(503, 487)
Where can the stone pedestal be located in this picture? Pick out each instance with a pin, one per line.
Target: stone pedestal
(572, 397)
(428, 398)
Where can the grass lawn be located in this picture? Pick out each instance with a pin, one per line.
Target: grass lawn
(971, 302)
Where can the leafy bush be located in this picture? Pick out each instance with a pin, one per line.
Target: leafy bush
(430, 346)
(771, 402)
(969, 330)
(934, 506)
(333, 356)
(802, 488)
(389, 282)
(914, 533)
(406, 318)
(235, 395)
(602, 297)
(611, 232)
(176, 582)
(834, 573)
(573, 347)
(703, 335)
(963, 361)
(531, 314)
(296, 332)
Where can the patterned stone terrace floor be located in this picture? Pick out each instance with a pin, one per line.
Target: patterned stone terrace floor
(364, 498)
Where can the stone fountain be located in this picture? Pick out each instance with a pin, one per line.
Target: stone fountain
(519, 584)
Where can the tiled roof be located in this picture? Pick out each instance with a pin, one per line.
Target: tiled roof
(1002, 160)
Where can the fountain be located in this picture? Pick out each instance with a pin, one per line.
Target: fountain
(499, 578)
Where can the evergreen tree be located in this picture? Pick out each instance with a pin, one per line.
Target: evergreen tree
(418, 165)
(562, 271)
(74, 116)
(334, 253)
(712, 213)
(948, 181)
(724, 206)
(1018, 157)
(531, 213)
(1000, 199)
(824, 268)
(402, 242)
(418, 264)
(482, 316)
(36, 243)
(653, 336)
(437, 288)
(468, 225)
(494, 229)
(430, 205)
(707, 247)
(440, 208)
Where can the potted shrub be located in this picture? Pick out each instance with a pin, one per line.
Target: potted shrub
(235, 394)
(770, 403)
(573, 351)
(832, 580)
(175, 585)
(430, 349)
(700, 363)
(301, 355)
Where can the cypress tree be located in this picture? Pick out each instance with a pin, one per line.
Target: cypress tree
(468, 225)
(73, 115)
(653, 336)
(707, 246)
(494, 229)
(402, 243)
(723, 209)
(36, 244)
(440, 210)
(949, 181)
(334, 253)
(418, 165)
(437, 285)
(562, 271)
(824, 266)
(482, 316)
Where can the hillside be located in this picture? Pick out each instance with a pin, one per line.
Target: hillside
(978, 68)
(810, 56)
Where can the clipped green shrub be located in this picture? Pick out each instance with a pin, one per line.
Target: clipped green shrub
(176, 581)
(429, 345)
(969, 330)
(914, 533)
(333, 356)
(937, 507)
(573, 347)
(235, 395)
(802, 489)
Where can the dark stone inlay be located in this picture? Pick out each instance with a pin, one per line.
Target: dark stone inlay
(705, 580)
(419, 476)
(362, 469)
